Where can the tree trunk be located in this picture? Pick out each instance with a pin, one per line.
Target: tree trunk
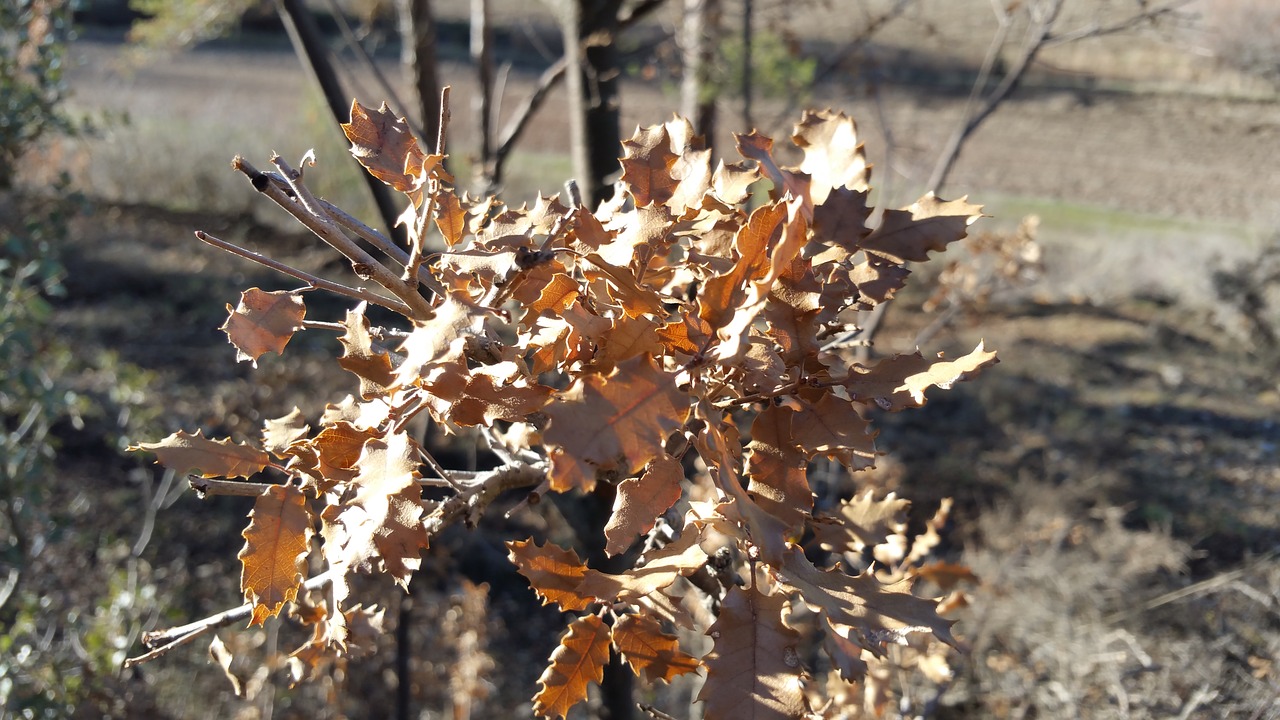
(309, 45)
(747, 80)
(593, 94)
(482, 55)
(701, 27)
(418, 56)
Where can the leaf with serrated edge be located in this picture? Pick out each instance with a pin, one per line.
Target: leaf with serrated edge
(944, 374)
(877, 614)
(388, 525)
(929, 224)
(554, 573)
(276, 541)
(833, 157)
(639, 502)
(616, 423)
(900, 381)
(263, 322)
(753, 669)
(777, 470)
(359, 356)
(576, 662)
(650, 652)
(829, 425)
(185, 453)
(278, 434)
(863, 522)
(646, 165)
(385, 145)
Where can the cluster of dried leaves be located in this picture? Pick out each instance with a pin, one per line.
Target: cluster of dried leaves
(684, 342)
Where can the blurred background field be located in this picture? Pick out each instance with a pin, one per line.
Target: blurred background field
(1116, 477)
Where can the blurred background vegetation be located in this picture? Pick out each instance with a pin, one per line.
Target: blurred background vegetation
(1116, 478)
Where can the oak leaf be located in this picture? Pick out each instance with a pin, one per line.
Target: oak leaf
(900, 381)
(185, 453)
(863, 522)
(263, 322)
(554, 573)
(833, 157)
(753, 669)
(275, 542)
(777, 470)
(755, 146)
(280, 434)
(651, 653)
(829, 425)
(646, 165)
(380, 527)
(384, 144)
(639, 502)
(877, 615)
(576, 662)
(614, 424)
(359, 356)
(929, 224)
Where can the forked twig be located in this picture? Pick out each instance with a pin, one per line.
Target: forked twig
(486, 488)
(298, 201)
(311, 280)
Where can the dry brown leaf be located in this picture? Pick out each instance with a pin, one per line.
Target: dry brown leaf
(275, 543)
(900, 382)
(372, 365)
(927, 225)
(754, 668)
(384, 144)
(722, 294)
(614, 424)
(219, 653)
(576, 662)
(651, 653)
(450, 217)
(639, 502)
(554, 573)
(833, 157)
(877, 615)
(185, 453)
(863, 522)
(263, 322)
(776, 469)
(380, 527)
(829, 425)
(755, 146)
(279, 434)
(646, 165)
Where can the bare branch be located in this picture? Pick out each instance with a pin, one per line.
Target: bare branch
(297, 200)
(312, 280)
(469, 503)
(207, 487)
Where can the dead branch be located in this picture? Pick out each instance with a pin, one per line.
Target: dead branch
(298, 201)
(468, 503)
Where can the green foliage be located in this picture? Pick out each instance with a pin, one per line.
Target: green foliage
(33, 36)
(778, 69)
(175, 24)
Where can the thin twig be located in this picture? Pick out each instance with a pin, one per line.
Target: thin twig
(297, 200)
(311, 280)
(418, 238)
(471, 501)
(162, 641)
(207, 487)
